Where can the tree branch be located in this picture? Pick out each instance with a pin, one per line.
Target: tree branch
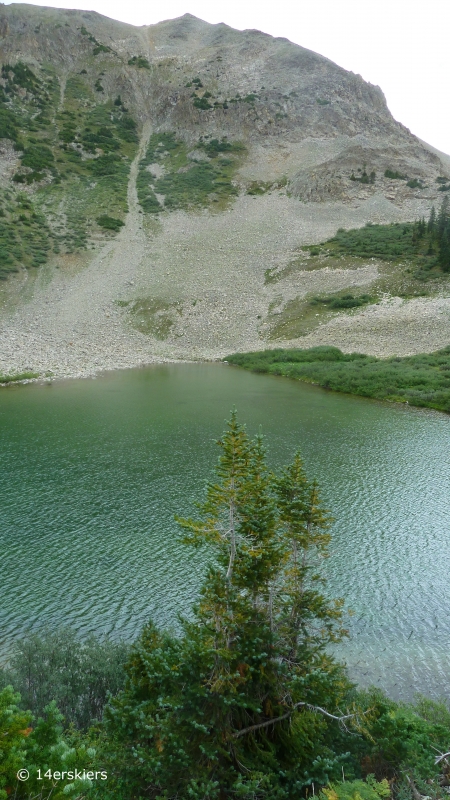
(274, 720)
(441, 757)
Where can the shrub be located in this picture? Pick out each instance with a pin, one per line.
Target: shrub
(105, 165)
(9, 125)
(394, 175)
(38, 157)
(202, 103)
(342, 301)
(78, 674)
(101, 48)
(224, 705)
(109, 223)
(139, 61)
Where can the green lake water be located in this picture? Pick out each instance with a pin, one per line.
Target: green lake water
(93, 471)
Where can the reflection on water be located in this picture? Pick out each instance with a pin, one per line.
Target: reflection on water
(92, 473)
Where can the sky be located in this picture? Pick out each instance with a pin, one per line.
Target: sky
(400, 45)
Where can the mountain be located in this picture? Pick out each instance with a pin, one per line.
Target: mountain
(158, 185)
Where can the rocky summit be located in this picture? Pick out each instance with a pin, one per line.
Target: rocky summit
(166, 193)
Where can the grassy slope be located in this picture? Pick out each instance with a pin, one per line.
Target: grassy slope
(73, 161)
(422, 380)
(188, 183)
(408, 262)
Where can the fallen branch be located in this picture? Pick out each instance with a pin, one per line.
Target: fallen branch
(441, 757)
(415, 793)
(274, 720)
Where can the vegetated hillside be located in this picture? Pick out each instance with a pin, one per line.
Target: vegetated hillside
(201, 144)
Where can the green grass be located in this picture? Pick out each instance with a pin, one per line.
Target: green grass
(301, 315)
(346, 300)
(20, 376)
(153, 316)
(187, 184)
(422, 380)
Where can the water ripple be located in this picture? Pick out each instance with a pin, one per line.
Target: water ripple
(93, 472)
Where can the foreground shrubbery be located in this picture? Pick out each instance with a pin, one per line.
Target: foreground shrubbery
(247, 701)
(78, 676)
(422, 380)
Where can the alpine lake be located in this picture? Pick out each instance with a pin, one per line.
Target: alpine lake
(93, 472)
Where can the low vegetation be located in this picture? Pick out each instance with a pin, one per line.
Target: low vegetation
(339, 301)
(424, 243)
(109, 223)
(72, 161)
(153, 316)
(78, 675)
(17, 377)
(191, 177)
(246, 701)
(25, 237)
(139, 61)
(421, 380)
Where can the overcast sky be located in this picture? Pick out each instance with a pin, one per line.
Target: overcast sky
(401, 45)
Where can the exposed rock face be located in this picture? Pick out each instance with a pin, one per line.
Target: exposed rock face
(267, 92)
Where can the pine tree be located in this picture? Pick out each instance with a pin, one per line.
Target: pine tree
(444, 250)
(432, 220)
(442, 218)
(238, 704)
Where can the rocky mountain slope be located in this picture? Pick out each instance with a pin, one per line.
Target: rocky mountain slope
(158, 184)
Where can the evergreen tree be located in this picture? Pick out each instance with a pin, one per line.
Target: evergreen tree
(444, 250)
(443, 218)
(241, 704)
(421, 228)
(432, 220)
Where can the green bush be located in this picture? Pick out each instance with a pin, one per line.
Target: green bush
(388, 242)
(202, 103)
(101, 48)
(38, 157)
(139, 61)
(394, 175)
(126, 128)
(58, 666)
(18, 376)
(9, 125)
(23, 76)
(110, 164)
(342, 301)
(109, 223)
